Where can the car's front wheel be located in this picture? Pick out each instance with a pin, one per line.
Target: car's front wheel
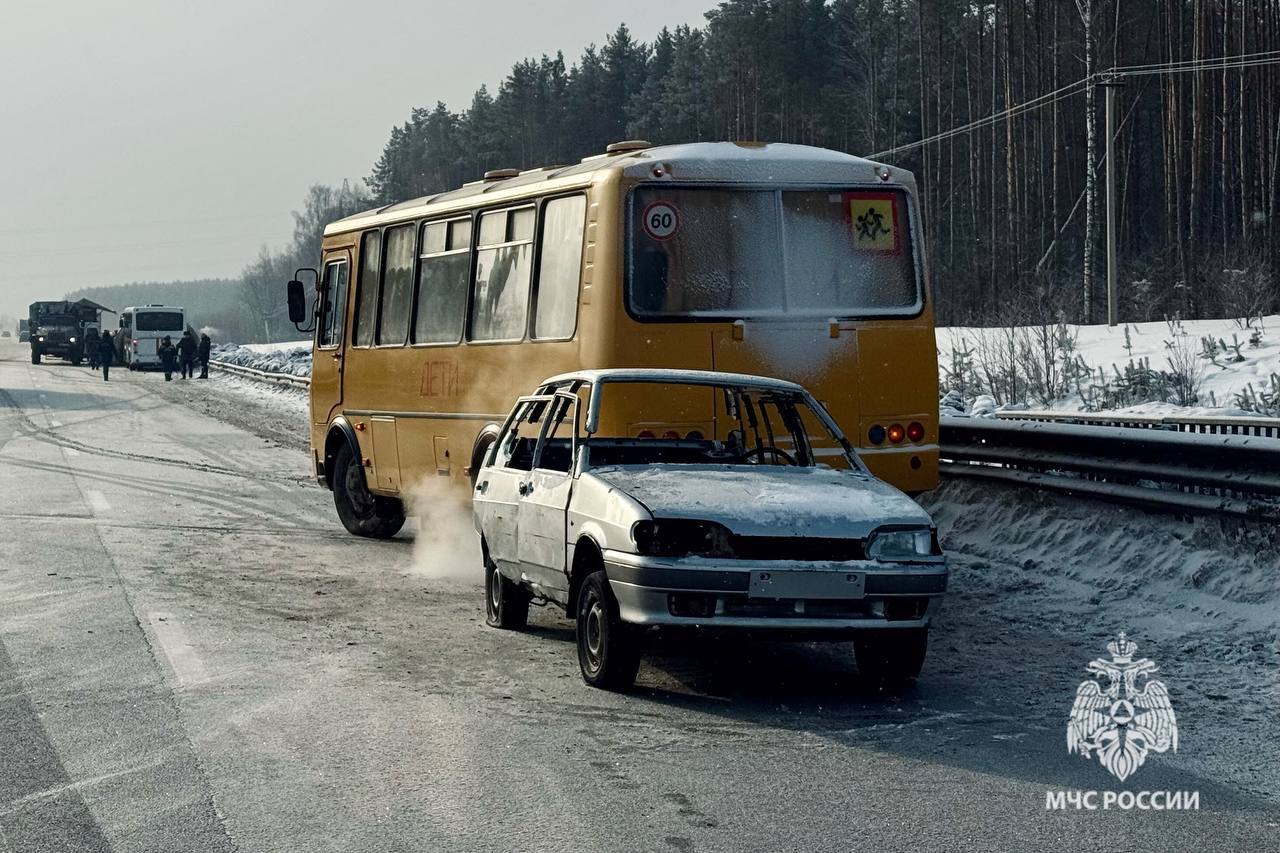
(891, 658)
(608, 648)
(362, 512)
(506, 603)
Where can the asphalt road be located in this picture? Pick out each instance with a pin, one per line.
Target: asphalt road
(195, 656)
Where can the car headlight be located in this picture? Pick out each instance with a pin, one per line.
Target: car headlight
(40, 339)
(900, 544)
(71, 340)
(681, 537)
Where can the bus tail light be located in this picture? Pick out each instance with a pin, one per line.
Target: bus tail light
(135, 346)
(876, 434)
(897, 434)
(915, 431)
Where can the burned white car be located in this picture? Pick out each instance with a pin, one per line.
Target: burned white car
(641, 499)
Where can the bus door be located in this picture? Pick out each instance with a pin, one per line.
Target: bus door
(327, 366)
(822, 356)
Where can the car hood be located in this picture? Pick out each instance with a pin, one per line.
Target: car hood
(767, 500)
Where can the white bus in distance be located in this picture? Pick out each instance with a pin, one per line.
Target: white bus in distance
(143, 327)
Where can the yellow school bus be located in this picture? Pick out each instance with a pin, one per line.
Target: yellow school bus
(433, 315)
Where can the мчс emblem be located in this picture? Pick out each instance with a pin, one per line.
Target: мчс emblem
(1119, 721)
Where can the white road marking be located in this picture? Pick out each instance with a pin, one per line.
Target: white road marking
(98, 501)
(186, 664)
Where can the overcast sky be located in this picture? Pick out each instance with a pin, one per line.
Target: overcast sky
(150, 140)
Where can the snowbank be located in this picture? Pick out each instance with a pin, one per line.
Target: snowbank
(291, 357)
(1228, 357)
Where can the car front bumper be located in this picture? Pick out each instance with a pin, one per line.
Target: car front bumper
(786, 595)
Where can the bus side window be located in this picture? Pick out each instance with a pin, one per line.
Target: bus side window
(504, 262)
(555, 314)
(442, 282)
(367, 295)
(335, 303)
(397, 286)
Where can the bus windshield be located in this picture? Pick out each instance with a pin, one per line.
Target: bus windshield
(158, 321)
(704, 253)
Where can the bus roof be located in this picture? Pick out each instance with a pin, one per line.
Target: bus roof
(714, 162)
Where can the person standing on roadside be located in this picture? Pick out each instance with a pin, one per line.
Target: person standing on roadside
(187, 354)
(205, 346)
(91, 347)
(104, 353)
(168, 355)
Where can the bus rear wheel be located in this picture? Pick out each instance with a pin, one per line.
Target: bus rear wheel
(362, 512)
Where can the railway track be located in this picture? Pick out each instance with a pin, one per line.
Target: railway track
(1196, 465)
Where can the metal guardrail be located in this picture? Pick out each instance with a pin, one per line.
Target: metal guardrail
(1261, 427)
(1202, 473)
(262, 375)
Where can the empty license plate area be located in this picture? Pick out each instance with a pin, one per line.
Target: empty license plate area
(766, 584)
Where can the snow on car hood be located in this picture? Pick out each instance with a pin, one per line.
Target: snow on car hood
(767, 500)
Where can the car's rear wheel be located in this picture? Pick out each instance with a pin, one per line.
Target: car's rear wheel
(506, 603)
(608, 648)
(891, 658)
(362, 512)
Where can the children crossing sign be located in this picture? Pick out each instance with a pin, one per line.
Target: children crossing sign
(873, 218)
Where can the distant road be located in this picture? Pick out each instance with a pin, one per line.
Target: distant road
(195, 657)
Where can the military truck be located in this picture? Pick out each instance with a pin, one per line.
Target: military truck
(57, 328)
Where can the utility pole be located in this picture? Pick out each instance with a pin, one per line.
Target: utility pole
(1110, 84)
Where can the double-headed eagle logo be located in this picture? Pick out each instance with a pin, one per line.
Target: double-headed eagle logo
(1117, 720)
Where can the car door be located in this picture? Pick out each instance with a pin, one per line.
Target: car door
(502, 479)
(544, 500)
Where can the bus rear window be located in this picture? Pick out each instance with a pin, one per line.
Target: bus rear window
(158, 321)
(727, 253)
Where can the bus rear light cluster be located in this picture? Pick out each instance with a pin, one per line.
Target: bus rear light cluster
(896, 433)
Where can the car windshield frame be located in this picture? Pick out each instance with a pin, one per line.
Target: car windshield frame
(795, 396)
(912, 233)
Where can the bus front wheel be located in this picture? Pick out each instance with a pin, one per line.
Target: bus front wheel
(362, 512)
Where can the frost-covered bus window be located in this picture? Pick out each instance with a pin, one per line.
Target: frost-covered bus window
(367, 298)
(397, 287)
(847, 251)
(706, 252)
(499, 307)
(560, 268)
(442, 281)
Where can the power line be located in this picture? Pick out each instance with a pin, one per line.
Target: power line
(1219, 63)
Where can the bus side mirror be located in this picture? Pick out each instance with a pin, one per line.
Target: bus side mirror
(297, 303)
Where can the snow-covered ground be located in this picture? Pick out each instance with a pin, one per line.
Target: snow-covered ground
(1223, 374)
(1061, 575)
(292, 357)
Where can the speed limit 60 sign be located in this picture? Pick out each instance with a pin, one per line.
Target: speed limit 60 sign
(661, 220)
